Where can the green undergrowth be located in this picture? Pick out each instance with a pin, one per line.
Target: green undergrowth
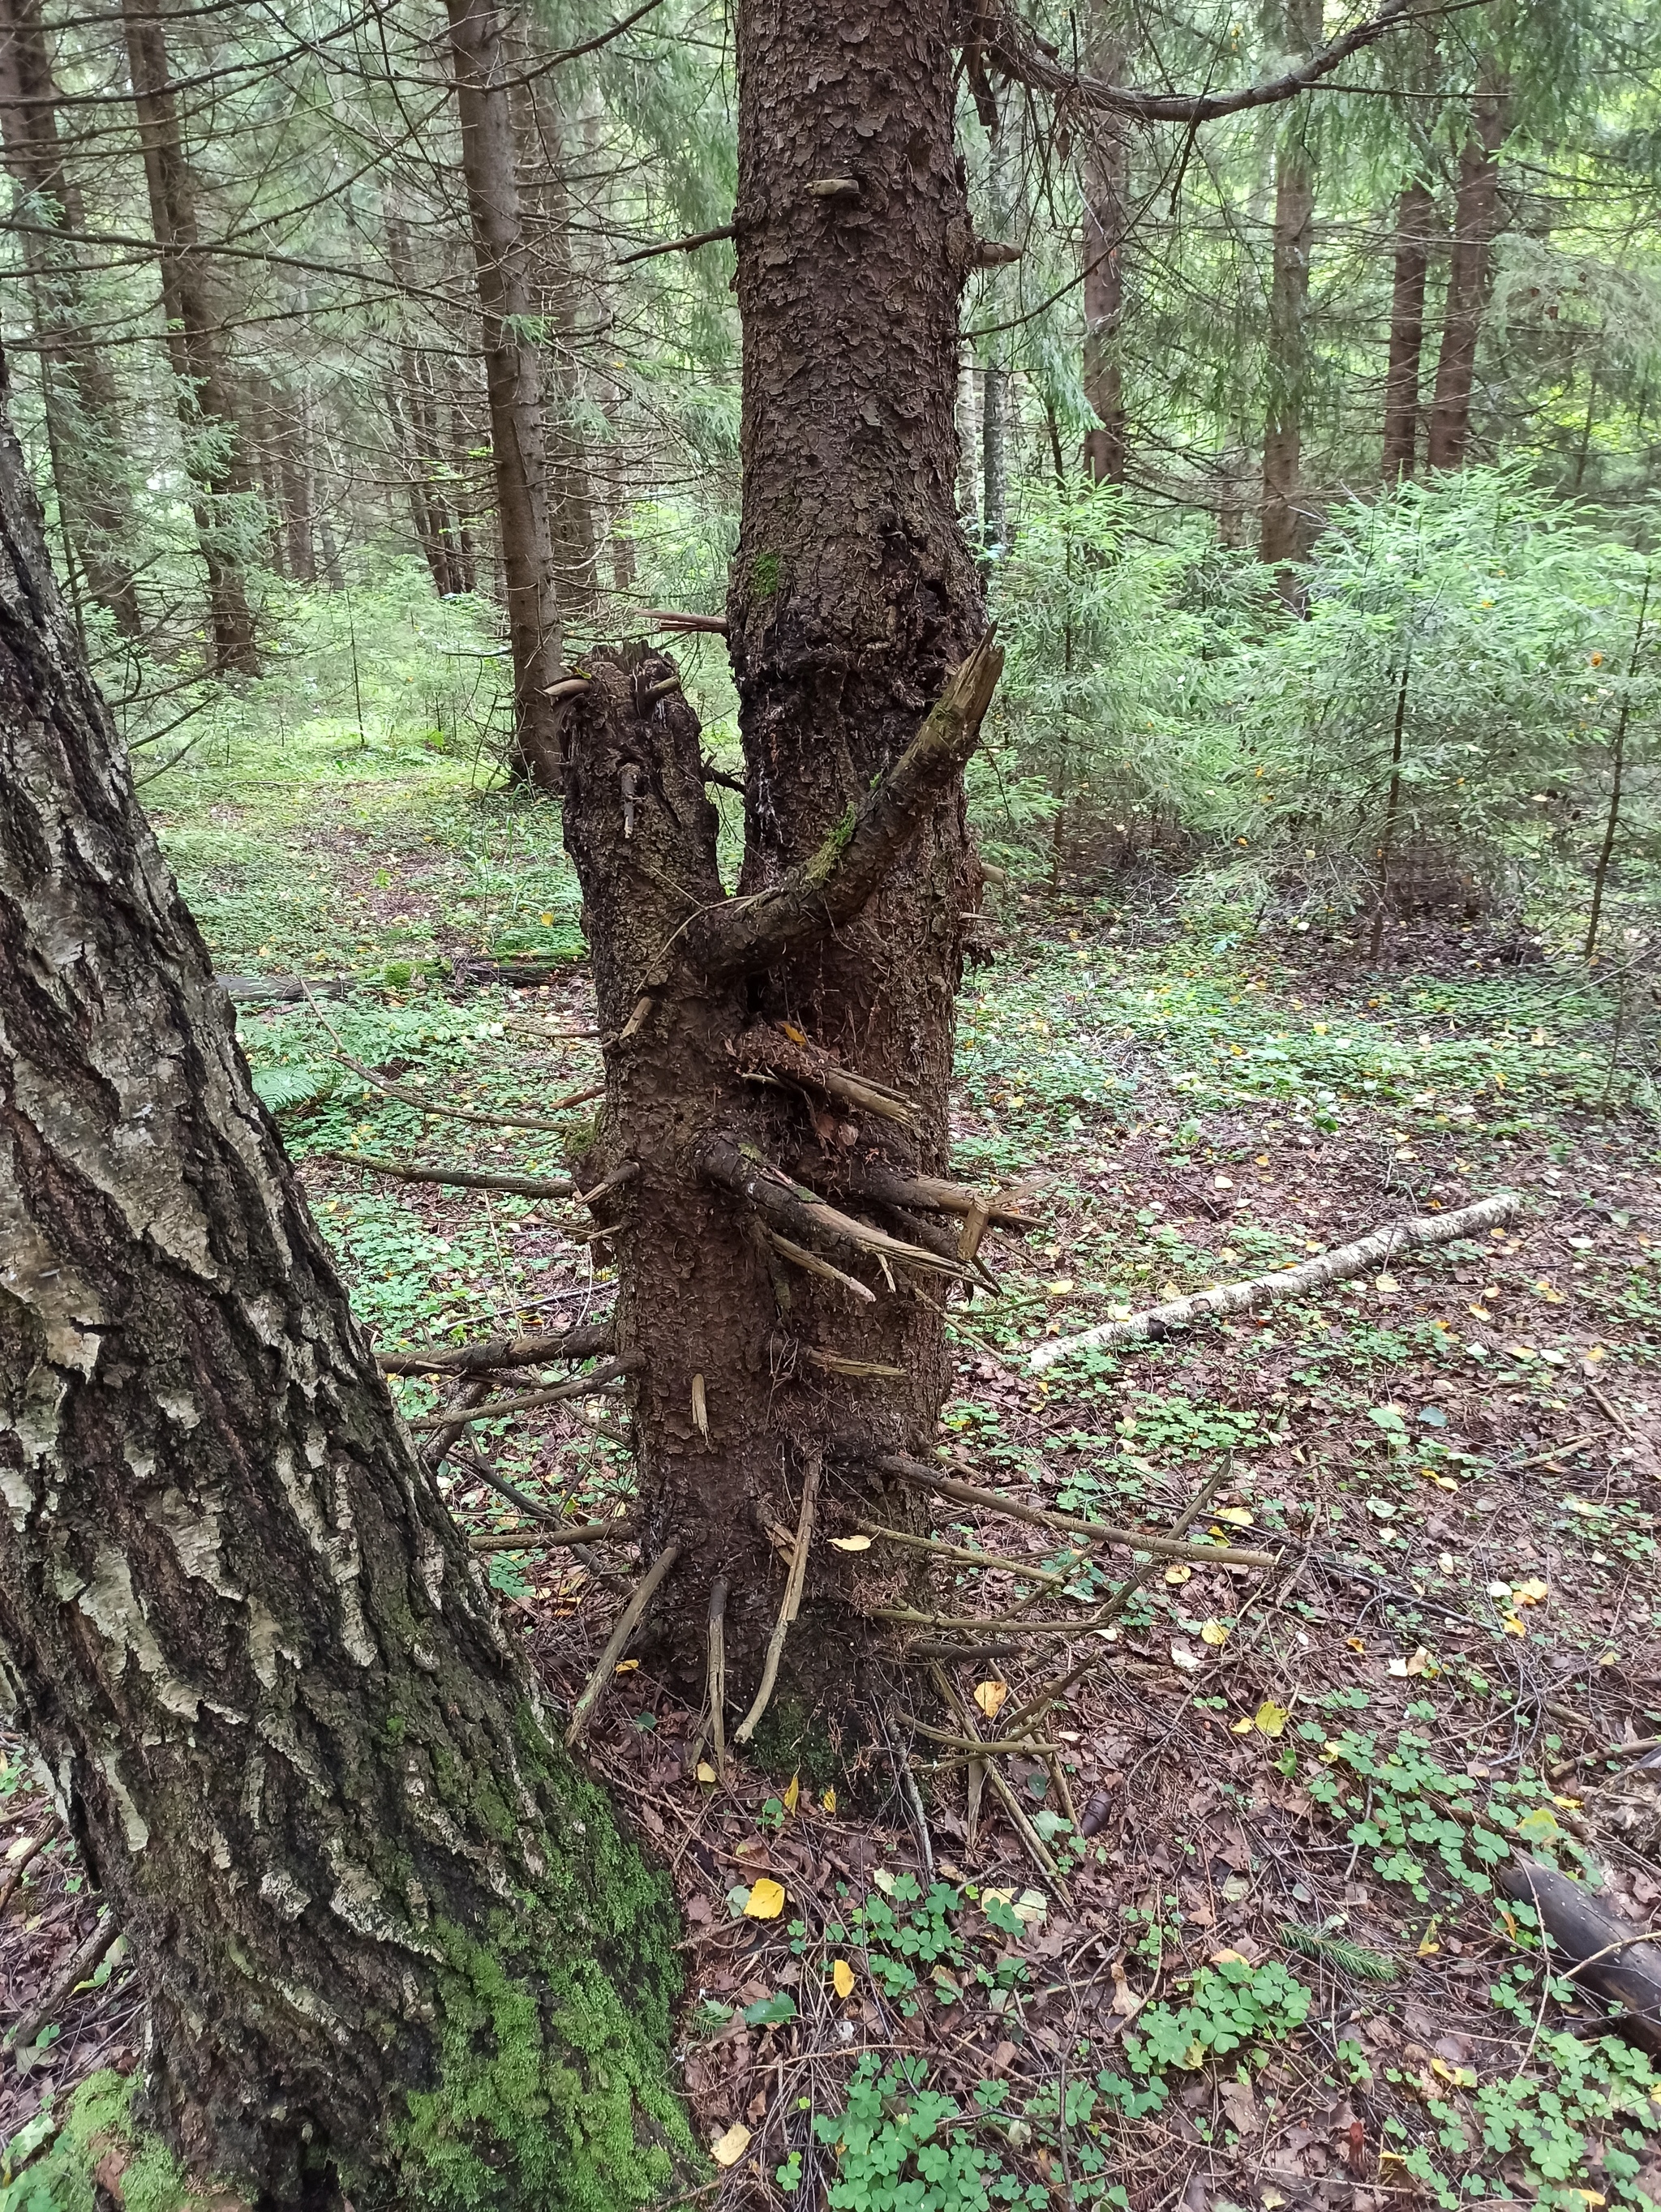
(48, 2165)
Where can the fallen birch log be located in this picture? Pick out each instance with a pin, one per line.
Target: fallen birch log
(1414, 1232)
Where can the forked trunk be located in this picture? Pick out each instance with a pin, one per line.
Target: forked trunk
(794, 1045)
(393, 1943)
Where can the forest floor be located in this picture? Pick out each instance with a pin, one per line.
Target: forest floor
(1247, 1952)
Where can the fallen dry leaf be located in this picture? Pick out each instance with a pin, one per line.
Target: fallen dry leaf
(842, 1977)
(1271, 1719)
(850, 1543)
(728, 2149)
(1214, 1633)
(793, 1795)
(990, 1697)
(766, 1899)
(1178, 1574)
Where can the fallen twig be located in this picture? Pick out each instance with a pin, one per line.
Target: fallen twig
(966, 1557)
(629, 1619)
(522, 1186)
(1412, 1231)
(1584, 1759)
(580, 1386)
(788, 1605)
(86, 1961)
(1557, 1451)
(20, 1865)
(589, 1340)
(1100, 1531)
(461, 1113)
(542, 1538)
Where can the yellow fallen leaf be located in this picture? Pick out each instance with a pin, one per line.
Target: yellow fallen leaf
(990, 1697)
(1514, 1624)
(1169, 1291)
(1428, 1946)
(1178, 1574)
(792, 1033)
(842, 1977)
(1421, 1662)
(1384, 1282)
(1235, 1514)
(1356, 1643)
(1271, 1719)
(728, 2149)
(1230, 1959)
(793, 1795)
(705, 1772)
(627, 1665)
(850, 1543)
(828, 1800)
(766, 1903)
(1532, 1592)
(1214, 1632)
(1241, 1727)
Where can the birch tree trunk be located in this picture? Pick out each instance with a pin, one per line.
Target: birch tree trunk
(393, 1945)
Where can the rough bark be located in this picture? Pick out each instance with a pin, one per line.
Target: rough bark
(570, 499)
(853, 599)
(82, 401)
(1106, 215)
(513, 379)
(394, 1944)
(1281, 525)
(412, 408)
(1414, 215)
(1476, 215)
(216, 458)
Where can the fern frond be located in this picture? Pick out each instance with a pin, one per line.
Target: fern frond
(285, 1088)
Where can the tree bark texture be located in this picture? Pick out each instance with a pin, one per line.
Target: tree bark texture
(82, 400)
(1106, 217)
(1476, 215)
(394, 1945)
(513, 379)
(1281, 524)
(570, 499)
(1414, 214)
(413, 411)
(771, 1057)
(216, 458)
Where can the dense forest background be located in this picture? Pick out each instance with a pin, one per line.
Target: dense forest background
(1311, 450)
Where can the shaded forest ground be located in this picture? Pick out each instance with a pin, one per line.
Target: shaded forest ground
(1274, 1971)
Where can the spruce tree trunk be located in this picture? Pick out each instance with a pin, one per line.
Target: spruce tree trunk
(412, 406)
(854, 597)
(1476, 213)
(215, 455)
(513, 379)
(83, 404)
(1106, 167)
(394, 1944)
(1406, 330)
(570, 498)
(1282, 527)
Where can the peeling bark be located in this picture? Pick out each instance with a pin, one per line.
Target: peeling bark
(392, 1942)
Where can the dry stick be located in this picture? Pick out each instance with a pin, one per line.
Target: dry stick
(580, 1386)
(21, 1864)
(965, 1556)
(1557, 1451)
(583, 1711)
(1005, 1796)
(718, 1670)
(1612, 1410)
(1412, 1230)
(1583, 1759)
(670, 618)
(524, 1186)
(788, 1605)
(460, 1114)
(544, 1539)
(980, 1748)
(587, 1340)
(790, 1206)
(85, 1961)
(648, 253)
(450, 1433)
(1100, 1531)
(833, 1363)
(930, 1193)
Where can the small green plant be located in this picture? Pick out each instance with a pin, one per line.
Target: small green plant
(1349, 1958)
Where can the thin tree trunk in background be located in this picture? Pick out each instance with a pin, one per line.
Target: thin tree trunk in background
(1617, 770)
(414, 412)
(293, 1745)
(1414, 215)
(570, 498)
(1282, 534)
(295, 486)
(995, 458)
(216, 456)
(513, 380)
(82, 405)
(969, 447)
(1106, 188)
(1476, 215)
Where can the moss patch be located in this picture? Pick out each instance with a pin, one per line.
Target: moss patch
(98, 2120)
